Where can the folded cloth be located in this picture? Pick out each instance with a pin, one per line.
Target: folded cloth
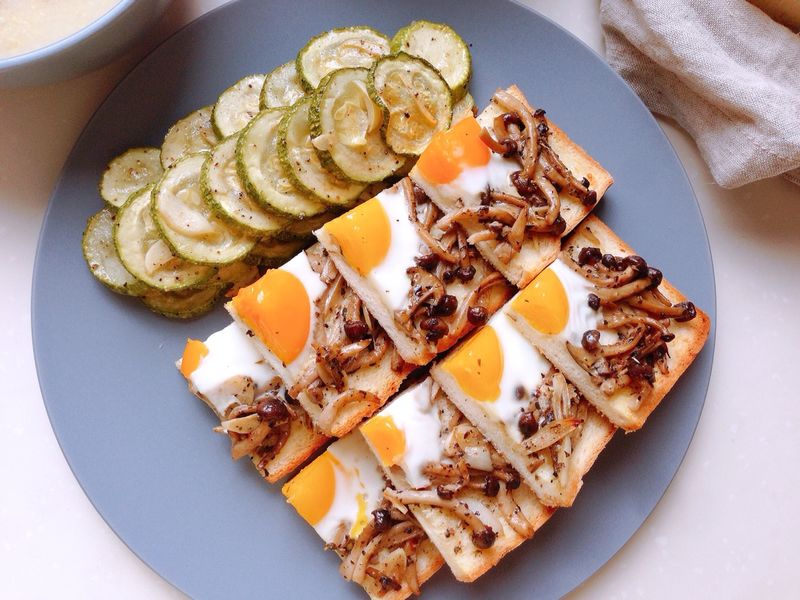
(723, 70)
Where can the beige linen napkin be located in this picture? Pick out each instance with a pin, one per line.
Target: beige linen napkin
(723, 70)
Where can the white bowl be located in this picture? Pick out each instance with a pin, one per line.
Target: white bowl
(97, 44)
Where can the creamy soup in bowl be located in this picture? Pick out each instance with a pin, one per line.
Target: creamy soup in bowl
(27, 25)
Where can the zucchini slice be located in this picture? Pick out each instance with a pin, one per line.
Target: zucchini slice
(282, 87)
(302, 163)
(183, 305)
(416, 99)
(223, 190)
(303, 227)
(339, 49)
(193, 133)
(463, 108)
(145, 254)
(263, 175)
(273, 253)
(442, 47)
(237, 105)
(189, 225)
(346, 125)
(128, 172)
(102, 258)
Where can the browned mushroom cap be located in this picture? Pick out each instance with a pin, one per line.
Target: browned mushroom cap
(530, 147)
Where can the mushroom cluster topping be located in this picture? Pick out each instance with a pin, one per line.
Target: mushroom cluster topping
(552, 423)
(632, 306)
(346, 338)
(472, 469)
(383, 556)
(447, 265)
(535, 209)
(260, 429)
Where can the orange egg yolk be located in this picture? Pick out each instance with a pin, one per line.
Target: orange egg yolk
(312, 491)
(449, 152)
(364, 235)
(478, 365)
(386, 439)
(278, 310)
(544, 303)
(193, 353)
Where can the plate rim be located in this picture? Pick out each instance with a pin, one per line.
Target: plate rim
(708, 349)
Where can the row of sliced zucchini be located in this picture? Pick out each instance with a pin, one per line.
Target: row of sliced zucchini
(241, 184)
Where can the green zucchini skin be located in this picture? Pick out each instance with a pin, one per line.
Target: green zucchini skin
(264, 176)
(399, 130)
(440, 45)
(302, 164)
(237, 106)
(311, 76)
(368, 163)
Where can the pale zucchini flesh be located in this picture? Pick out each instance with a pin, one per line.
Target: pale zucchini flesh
(346, 125)
(282, 87)
(223, 190)
(128, 172)
(237, 106)
(144, 253)
(262, 173)
(193, 133)
(301, 162)
(441, 46)
(416, 99)
(102, 258)
(339, 49)
(189, 225)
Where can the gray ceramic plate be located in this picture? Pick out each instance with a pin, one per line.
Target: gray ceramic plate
(141, 445)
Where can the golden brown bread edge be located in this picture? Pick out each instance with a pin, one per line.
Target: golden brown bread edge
(622, 408)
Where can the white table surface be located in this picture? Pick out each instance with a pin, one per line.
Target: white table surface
(727, 527)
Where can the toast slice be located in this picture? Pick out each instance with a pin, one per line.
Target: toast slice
(466, 497)
(536, 419)
(626, 300)
(426, 288)
(235, 382)
(579, 183)
(349, 367)
(341, 494)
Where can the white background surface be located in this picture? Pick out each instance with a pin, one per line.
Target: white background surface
(727, 527)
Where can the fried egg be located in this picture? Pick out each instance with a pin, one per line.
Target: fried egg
(279, 310)
(406, 434)
(556, 303)
(378, 240)
(226, 369)
(339, 489)
(457, 166)
(499, 368)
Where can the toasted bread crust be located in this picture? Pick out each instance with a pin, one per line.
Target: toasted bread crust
(623, 408)
(302, 442)
(539, 252)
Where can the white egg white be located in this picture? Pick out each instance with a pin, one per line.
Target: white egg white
(357, 473)
(523, 365)
(231, 357)
(417, 418)
(389, 277)
(472, 181)
(581, 316)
